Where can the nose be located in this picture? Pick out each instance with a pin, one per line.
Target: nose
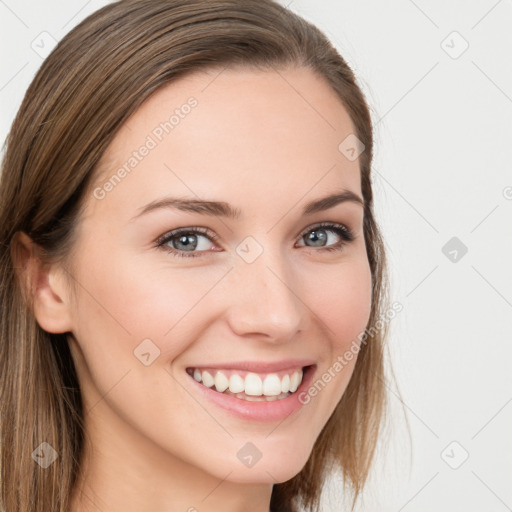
(265, 299)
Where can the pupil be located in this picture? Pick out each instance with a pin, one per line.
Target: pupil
(317, 236)
(183, 240)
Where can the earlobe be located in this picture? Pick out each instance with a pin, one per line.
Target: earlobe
(43, 285)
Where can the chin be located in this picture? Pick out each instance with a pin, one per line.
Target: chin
(270, 471)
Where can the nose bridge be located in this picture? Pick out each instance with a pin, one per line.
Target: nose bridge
(263, 299)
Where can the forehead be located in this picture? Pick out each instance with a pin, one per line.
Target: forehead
(231, 134)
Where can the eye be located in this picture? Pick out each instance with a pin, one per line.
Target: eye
(186, 242)
(318, 235)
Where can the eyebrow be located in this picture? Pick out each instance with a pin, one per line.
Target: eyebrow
(223, 209)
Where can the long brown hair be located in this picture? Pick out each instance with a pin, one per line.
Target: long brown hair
(96, 77)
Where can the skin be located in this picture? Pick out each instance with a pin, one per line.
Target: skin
(266, 148)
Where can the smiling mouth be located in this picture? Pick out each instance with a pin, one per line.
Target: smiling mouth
(250, 386)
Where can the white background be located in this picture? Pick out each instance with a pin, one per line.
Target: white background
(443, 130)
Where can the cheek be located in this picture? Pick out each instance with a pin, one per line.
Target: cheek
(128, 300)
(343, 307)
(343, 302)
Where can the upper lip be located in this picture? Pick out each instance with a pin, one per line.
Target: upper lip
(259, 367)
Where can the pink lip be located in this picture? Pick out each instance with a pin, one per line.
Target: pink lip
(277, 410)
(256, 367)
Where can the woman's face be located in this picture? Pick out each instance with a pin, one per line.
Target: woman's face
(246, 302)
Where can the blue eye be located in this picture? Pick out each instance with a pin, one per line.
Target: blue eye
(187, 238)
(184, 242)
(318, 236)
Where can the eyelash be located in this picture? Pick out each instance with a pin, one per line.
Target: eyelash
(344, 232)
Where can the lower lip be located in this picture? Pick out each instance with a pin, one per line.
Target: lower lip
(276, 410)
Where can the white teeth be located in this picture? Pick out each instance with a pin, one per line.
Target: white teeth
(208, 380)
(295, 381)
(285, 384)
(221, 382)
(272, 385)
(236, 383)
(253, 385)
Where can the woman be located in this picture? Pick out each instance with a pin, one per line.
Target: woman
(193, 287)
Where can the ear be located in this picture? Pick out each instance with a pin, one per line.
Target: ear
(43, 284)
